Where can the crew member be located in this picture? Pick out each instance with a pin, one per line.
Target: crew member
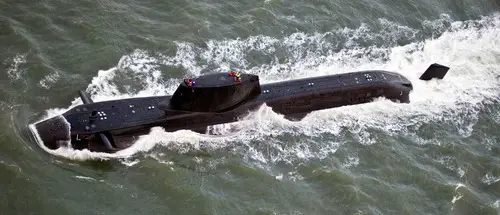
(238, 77)
(189, 82)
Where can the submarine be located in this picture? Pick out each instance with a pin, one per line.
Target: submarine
(218, 98)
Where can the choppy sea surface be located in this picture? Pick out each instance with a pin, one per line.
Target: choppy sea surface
(440, 154)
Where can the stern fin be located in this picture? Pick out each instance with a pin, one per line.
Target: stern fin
(434, 71)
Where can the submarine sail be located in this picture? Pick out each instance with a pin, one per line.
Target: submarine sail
(213, 93)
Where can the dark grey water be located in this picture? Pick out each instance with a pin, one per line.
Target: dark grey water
(437, 155)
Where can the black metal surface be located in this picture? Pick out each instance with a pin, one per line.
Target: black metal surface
(214, 93)
(116, 114)
(434, 71)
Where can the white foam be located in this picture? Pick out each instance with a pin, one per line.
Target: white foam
(490, 178)
(48, 80)
(496, 204)
(450, 163)
(458, 194)
(14, 66)
(84, 178)
(351, 161)
(470, 48)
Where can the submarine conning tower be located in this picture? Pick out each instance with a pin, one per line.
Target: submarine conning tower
(213, 93)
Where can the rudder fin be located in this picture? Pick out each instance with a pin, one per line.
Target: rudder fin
(434, 71)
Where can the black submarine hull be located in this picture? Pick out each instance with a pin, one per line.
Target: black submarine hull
(109, 126)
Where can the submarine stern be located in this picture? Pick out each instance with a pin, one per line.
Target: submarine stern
(397, 87)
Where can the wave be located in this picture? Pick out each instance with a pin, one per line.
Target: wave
(470, 48)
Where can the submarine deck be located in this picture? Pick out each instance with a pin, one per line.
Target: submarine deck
(330, 82)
